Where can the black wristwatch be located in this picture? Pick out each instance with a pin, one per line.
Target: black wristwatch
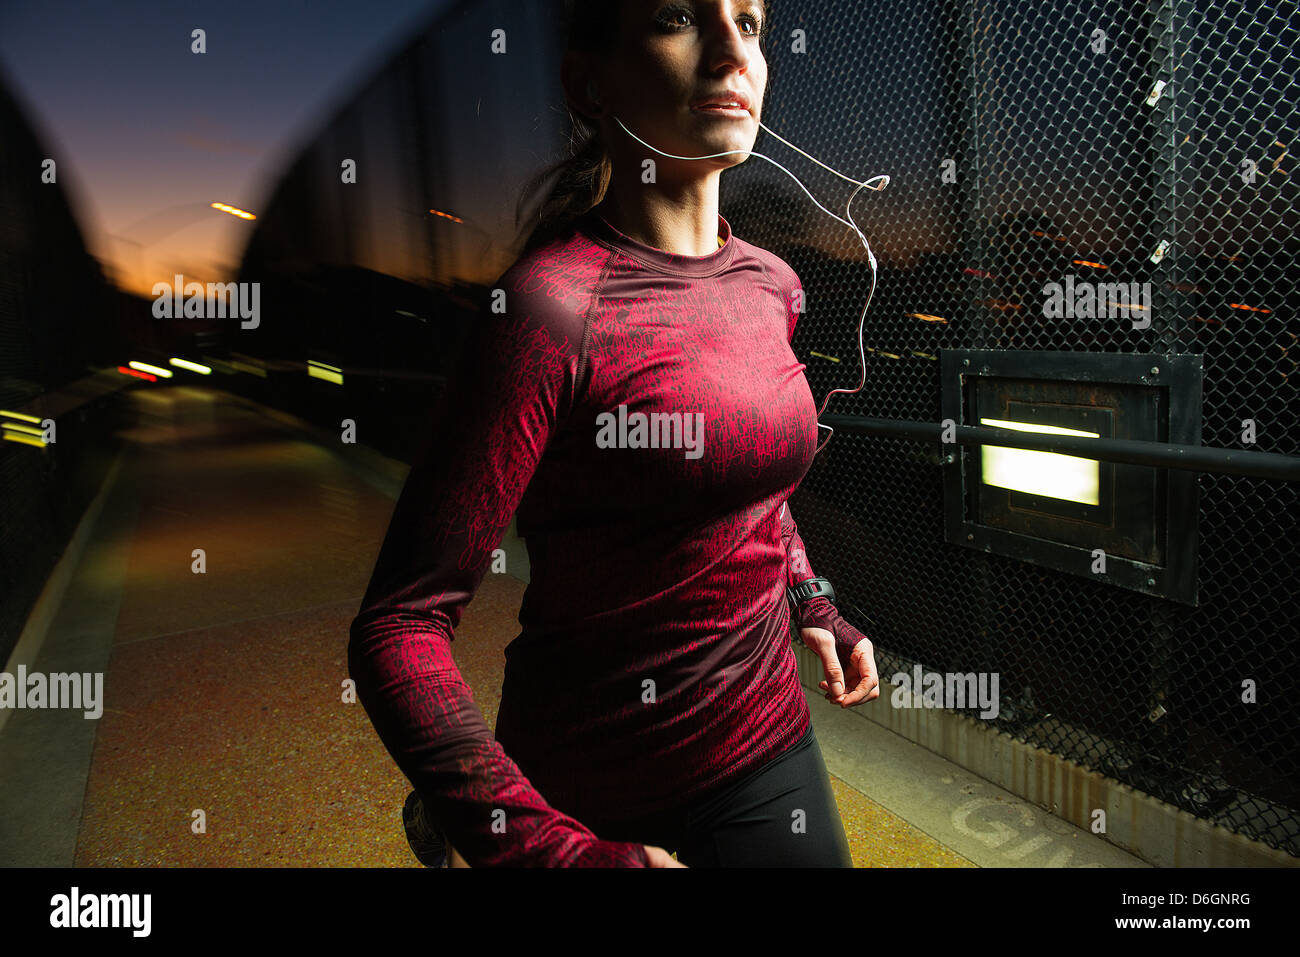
(810, 589)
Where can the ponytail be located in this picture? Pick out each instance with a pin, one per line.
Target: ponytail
(581, 178)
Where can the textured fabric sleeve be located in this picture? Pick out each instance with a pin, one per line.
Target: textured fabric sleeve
(817, 612)
(515, 389)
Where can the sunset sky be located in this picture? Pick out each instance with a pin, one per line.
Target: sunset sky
(147, 134)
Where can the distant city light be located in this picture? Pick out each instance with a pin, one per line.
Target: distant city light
(192, 366)
(19, 434)
(233, 210)
(24, 434)
(153, 370)
(21, 429)
(320, 370)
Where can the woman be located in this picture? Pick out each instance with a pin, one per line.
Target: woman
(651, 702)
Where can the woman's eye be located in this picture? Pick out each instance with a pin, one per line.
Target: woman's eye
(667, 17)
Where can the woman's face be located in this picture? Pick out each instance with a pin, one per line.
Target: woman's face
(670, 55)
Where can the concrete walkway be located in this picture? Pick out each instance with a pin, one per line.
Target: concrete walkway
(225, 740)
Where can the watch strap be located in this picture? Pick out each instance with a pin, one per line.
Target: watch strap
(810, 589)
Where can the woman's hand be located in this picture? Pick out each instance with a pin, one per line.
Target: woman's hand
(854, 684)
(658, 857)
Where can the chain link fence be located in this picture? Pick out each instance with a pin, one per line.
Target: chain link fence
(1031, 144)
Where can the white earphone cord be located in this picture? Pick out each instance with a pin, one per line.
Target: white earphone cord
(862, 359)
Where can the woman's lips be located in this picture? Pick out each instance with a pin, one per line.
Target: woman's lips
(731, 111)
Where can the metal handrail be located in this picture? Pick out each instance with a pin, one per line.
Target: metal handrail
(1192, 458)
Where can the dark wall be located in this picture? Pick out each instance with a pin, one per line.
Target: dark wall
(58, 322)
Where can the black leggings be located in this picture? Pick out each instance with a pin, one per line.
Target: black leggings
(781, 815)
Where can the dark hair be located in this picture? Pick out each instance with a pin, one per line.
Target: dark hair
(590, 27)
